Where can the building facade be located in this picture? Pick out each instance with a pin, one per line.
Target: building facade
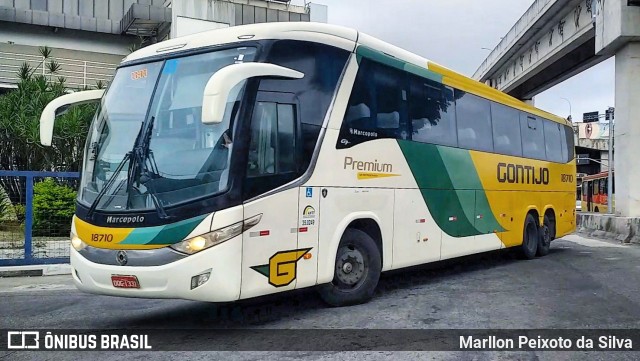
(88, 38)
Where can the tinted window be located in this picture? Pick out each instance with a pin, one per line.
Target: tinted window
(474, 122)
(532, 133)
(568, 145)
(390, 97)
(359, 123)
(286, 138)
(322, 66)
(39, 5)
(432, 112)
(506, 130)
(377, 106)
(272, 146)
(553, 141)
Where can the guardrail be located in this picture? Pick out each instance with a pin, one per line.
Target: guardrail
(78, 73)
(35, 231)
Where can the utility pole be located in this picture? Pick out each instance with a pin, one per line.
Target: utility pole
(610, 115)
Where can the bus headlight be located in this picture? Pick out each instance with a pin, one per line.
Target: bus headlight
(77, 243)
(207, 240)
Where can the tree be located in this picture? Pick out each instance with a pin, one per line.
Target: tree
(20, 110)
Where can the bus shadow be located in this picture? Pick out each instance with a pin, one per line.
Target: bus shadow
(295, 305)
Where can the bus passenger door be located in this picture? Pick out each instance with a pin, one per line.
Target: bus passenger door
(270, 249)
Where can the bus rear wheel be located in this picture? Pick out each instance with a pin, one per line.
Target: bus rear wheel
(546, 235)
(530, 238)
(356, 273)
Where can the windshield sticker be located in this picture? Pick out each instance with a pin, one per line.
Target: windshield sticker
(170, 66)
(308, 216)
(139, 74)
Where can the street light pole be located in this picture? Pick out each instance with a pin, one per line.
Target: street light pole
(570, 112)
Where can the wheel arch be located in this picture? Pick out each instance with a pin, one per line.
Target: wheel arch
(367, 222)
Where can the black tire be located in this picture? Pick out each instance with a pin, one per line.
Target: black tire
(544, 241)
(356, 273)
(596, 210)
(530, 238)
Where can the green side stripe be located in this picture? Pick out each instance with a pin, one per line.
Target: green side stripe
(463, 174)
(380, 57)
(168, 234)
(450, 187)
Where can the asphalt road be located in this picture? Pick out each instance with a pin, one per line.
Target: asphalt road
(581, 284)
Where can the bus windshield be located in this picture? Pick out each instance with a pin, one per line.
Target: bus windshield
(183, 158)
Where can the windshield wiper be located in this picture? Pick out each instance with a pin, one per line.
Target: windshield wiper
(113, 177)
(144, 175)
(108, 185)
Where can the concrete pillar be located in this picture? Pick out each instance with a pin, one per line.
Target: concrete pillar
(627, 131)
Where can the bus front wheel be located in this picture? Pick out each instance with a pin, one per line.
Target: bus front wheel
(530, 238)
(357, 270)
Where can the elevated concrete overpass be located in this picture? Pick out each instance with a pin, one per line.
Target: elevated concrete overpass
(556, 39)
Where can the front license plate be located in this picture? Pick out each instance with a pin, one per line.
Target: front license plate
(125, 281)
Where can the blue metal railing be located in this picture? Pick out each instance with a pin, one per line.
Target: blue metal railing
(9, 259)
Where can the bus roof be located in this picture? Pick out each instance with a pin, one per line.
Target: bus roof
(334, 35)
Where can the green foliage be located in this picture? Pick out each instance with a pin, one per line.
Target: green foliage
(7, 212)
(20, 110)
(53, 207)
(21, 212)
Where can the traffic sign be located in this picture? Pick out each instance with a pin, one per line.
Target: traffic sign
(590, 117)
(582, 159)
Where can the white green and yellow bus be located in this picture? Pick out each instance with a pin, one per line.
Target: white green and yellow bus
(264, 158)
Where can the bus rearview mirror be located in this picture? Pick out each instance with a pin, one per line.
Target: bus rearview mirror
(59, 106)
(224, 80)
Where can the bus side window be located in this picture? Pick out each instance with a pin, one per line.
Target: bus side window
(596, 186)
(378, 106)
(553, 141)
(473, 115)
(532, 137)
(506, 133)
(431, 112)
(568, 146)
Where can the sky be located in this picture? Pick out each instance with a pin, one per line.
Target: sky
(453, 33)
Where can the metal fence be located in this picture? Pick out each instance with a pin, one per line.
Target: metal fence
(78, 73)
(35, 216)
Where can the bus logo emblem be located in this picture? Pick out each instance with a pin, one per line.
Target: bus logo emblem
(121, 258)
(282, 267)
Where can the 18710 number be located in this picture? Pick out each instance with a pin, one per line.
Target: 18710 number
(99, 237)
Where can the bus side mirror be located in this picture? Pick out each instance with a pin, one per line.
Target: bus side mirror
(59, 106)
(219, 86)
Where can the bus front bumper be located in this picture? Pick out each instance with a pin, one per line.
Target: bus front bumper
(172, 280)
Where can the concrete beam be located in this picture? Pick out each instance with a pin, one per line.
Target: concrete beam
(558, 45)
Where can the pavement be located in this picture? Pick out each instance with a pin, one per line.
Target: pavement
(582, 284)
